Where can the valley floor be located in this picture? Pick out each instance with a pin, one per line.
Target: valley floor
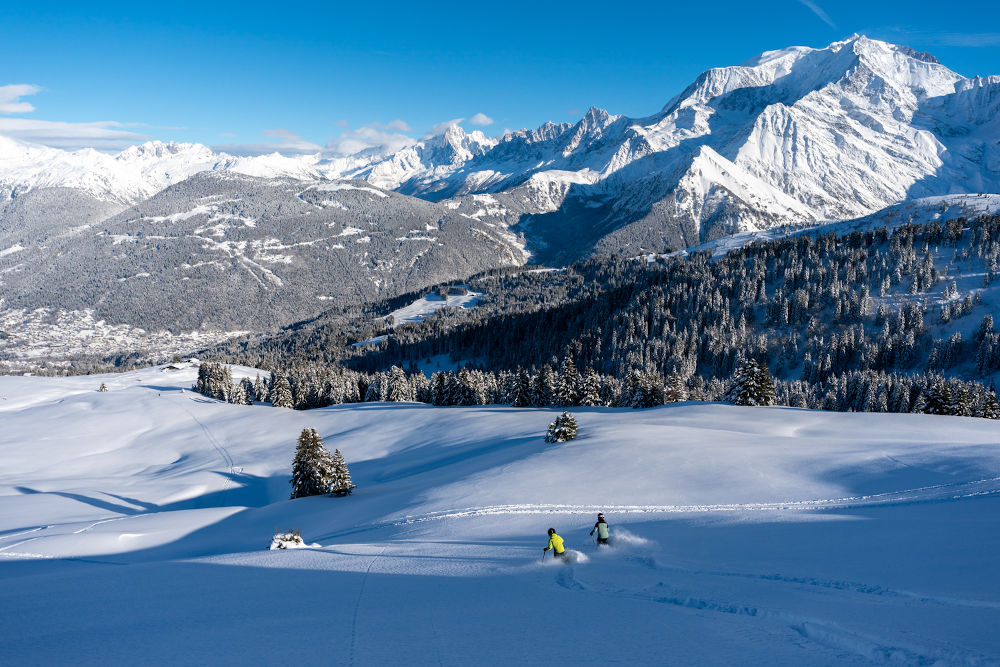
(133, 527)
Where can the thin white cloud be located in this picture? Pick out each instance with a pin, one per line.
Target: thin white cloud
(442, 127)
(396, 126)
(285, 142)
(10, 98)
(292, 140)
(972, 39)
(481, 119)
(815, 9)
(380, 137)
(101, 135)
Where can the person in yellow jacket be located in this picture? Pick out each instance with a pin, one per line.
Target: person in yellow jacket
(556, 544)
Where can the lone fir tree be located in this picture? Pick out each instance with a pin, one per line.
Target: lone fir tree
(562, 429)
(313, 469)
(751, 385)
(342, 485)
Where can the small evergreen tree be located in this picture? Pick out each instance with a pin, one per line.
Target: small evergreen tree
(341, 485)
(281, 392)
(751, 385)
(399, 386)
(259, 390)
(991, 410)
(544, 389)
(647, 390)
(676, 390)
(568, 384)
(313, 469)
(765, 386)
(238, 395)
(938, 399)
(522, 389)
(590, 391)
(562, 429)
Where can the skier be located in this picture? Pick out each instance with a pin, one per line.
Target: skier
(556, 544)
(602, 530)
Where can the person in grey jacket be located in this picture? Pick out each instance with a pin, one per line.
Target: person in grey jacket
(601, 527)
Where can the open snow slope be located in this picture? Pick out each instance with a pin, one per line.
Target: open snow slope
(133, 525)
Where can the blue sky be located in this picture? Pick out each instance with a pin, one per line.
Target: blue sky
(248, 77)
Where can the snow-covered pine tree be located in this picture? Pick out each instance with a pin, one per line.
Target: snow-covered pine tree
(991, 410)
(745, 387)
(767, 393)
(568, 384)
(962, 403)
(281, 391)
(239, 396)
(938, 399)
(222, 381)
(342, 485)
(203, 385)
(214, 380)
(590, 390)
(439, 388)
(562, 429)
(313, 469)
(259, 390)
(377, 388)
(647, 390)
(464, 391)
(399, 386)
(544, 389)
(676, 389)
(522, 397)
(247, 389)
(420, 387)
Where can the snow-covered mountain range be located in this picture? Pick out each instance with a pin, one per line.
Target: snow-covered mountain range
(789, 139)
(798, 135)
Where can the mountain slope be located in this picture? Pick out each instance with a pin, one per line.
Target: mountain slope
(793, 136)
(224, 251)
(761, 535)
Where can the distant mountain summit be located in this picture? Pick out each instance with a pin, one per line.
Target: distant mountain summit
(797, 135)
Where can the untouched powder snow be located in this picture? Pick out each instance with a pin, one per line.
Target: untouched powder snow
(135, 524)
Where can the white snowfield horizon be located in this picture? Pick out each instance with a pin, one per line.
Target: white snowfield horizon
(134, 527)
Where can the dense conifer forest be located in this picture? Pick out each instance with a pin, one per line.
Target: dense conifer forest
(893, 320)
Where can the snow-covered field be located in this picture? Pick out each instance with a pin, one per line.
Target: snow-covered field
(134, 525)
(429, 304)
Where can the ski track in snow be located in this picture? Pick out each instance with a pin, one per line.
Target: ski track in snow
(357, 606)
(219, 448)
(924, 494)
(826, 633)
(852, 587)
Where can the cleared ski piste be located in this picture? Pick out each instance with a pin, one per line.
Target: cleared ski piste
(134, 523)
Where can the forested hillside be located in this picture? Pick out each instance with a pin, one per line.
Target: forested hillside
(869, 321)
